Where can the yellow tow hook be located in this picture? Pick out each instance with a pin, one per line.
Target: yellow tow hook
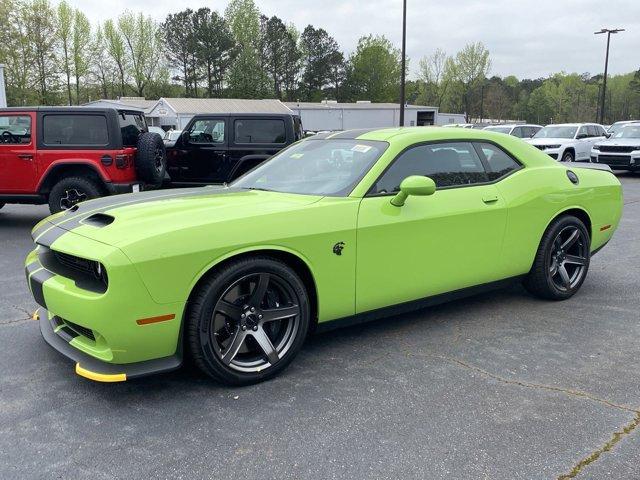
(36, 315)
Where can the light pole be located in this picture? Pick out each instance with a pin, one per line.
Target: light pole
(603, 94)
(403, 61)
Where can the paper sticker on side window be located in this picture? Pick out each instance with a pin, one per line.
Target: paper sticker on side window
(361, 148)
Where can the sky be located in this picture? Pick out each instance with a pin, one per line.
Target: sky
(526, 38)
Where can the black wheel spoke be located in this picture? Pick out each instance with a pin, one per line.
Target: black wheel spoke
(571, 240)
(259, 290)
(229, 309)
(575, 260)
(231, 351)
(564, 276)
(265, 344)
(281, 313)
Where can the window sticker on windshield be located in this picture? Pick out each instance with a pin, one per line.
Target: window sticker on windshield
(297, 155)
(360, 148)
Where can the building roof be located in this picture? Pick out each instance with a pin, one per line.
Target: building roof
(137, 103)
(355, 105)
(222, 105)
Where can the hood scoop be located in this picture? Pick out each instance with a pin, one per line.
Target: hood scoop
(98, 220)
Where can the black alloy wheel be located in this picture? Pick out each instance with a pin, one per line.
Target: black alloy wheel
(246, 322)
(562, 260)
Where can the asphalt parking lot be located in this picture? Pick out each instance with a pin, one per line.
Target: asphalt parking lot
(500, 385)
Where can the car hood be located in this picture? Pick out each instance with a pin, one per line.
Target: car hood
(548, 141)
(124, 219)
(621, 142)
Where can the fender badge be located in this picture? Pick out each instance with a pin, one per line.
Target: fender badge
(338, 247)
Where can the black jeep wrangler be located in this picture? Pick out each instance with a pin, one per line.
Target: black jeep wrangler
(220, 148)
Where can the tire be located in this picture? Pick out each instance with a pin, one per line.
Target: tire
(1, 205)
(237, 315)
(568, 157)
(562, 260)
(151, 159)
(72, 190)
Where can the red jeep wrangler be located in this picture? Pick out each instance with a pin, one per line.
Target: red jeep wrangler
(64, 155)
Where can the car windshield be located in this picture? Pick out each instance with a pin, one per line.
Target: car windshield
(556, 131)
(315, 167)
(629, 131)
(499, 129)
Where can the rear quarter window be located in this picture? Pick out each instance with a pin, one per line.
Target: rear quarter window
(260, 131)
(75, 130)
(131, 126)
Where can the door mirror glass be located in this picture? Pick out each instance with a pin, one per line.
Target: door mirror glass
(417, 185)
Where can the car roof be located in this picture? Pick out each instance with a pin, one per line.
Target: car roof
(68, 109)
(572, 124)
(408, 133)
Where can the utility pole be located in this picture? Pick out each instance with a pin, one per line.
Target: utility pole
(403, 63)
(603, 94)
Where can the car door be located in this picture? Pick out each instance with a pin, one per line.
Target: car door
(203, 154)
(434, 244)
(584, 141)
(18, 167)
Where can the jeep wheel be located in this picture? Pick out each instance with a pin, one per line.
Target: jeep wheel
(151, 159)
(70, 191)
(568, 157)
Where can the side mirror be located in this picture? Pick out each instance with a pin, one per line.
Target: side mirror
(607, 134)
(414, 185)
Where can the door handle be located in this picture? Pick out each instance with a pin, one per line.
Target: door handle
(25, 156)
(490, 198)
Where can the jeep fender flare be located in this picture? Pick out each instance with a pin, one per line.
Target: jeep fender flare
(57, 164)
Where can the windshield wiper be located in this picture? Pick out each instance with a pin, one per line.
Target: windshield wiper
(257, 188)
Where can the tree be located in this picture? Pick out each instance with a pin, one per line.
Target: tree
(471, 65)
(246, 77)
(281, 54)
(180, 46)
(40, 28)
(436, 73)
(64, 33)
(114, 43)
(215, 48)
(16, 53)
(142, 40)
(323, 62)
(80, 41)
(375, 70)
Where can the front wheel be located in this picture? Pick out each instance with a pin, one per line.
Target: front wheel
(568, 157)
(247, 322)
(562, 260)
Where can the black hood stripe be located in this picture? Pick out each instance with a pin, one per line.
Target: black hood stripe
(71, 220)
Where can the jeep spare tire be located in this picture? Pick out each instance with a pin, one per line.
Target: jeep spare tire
(151, 158)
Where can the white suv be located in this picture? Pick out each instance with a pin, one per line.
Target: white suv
(569, 142)
(520, 131)
(621, 151)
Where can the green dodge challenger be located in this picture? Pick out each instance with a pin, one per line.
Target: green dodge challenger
(337, 228)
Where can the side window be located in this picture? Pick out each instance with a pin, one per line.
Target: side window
(260, 131)
(207, 131)
(75, 130)
(533, 131)
(448, 164)
(131, 126)
(500, 163)
(601, 131)
(593, 131)
(518, 132)
(15, 129)
(582, 132)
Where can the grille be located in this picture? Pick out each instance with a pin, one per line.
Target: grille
(80, 330)
(617, 149)
(614, 159)
(77, 263)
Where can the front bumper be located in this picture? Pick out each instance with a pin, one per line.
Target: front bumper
(59, 336)
(629, 161)
(117, 330)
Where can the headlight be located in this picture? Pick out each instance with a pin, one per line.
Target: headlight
(549, 147)
(596, 147)
(100, 272)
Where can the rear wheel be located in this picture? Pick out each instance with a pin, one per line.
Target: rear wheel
(70, 191)
(562, 260)
(246, 323)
